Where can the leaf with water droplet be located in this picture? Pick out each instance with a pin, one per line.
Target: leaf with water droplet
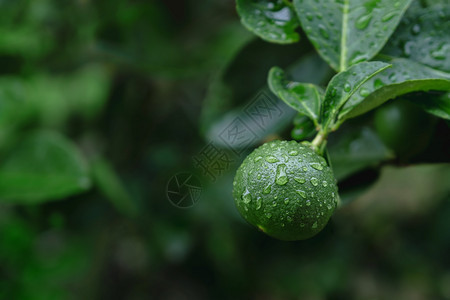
(272, 21)
(408, 77)
(303, 97)
(343, 85)
(353, 31)
(423, 37)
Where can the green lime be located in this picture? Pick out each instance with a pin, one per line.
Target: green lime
(286, 190)
(404, 127)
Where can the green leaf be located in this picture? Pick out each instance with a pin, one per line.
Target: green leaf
(303, 97)
(355, 150)
(43, 166)
(111, 186)
(405, 76)
(423, 36)
(343, 85)
(346, 32)
(435, 105)
(273, 21)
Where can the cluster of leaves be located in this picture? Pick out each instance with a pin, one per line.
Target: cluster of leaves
(380, 50)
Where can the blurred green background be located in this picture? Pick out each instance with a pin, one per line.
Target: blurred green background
(103, 102)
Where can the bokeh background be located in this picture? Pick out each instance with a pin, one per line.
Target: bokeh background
(103, 102)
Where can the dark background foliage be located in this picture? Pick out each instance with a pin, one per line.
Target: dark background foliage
(129, 91)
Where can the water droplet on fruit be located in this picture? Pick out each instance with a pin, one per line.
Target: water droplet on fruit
(282, 224)
(317, 166)
(301, 193)
(257, 158)
(259, 176)
(308, 202)
(314, 181)
(314, 225)
(347, 87)
(274, 203)
(324, 183)
(309, 16)
(258, 203)
(286, 201)
(293, 153)
(246, 197)
(300, 180)
(267, 189)
(289, 219)
(271, 159)
(268, 215)
(305, 169)
(329, 206)
(281, 177)
(302, 225)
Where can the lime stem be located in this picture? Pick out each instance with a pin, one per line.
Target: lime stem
(319, 140)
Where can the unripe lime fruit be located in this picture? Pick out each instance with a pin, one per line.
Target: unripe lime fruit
(286, 190)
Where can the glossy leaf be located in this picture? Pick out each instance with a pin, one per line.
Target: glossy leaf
(303, 127)
(423, 36)
(405, 76)
(435, 105)
(273, 21)
(344, 85)
(356, 150)
(303, 97)
(44, 166)
(346, 32)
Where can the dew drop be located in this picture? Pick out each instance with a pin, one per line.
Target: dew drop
(268, 215)
(314, 225)
(314, 181)
(257, 158)
(271, 159)
(246, 197)
(363, 21)
(308, 202)
(317, 166)
(258, 203)
(274, 203)
(309, 16)
(289, 219)
(323, 31)
(300, 180)
(293, 153)
(259, 176)
(378, 83)
(286, 201)
(389, 16)
(267, 189)
(392, 77)
(305, 169)
(364, 92)
(324, 183)
(301, 193)
(329, 206)
(347, 87)
(281, 177)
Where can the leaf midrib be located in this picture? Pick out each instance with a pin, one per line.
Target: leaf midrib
(343, 58)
